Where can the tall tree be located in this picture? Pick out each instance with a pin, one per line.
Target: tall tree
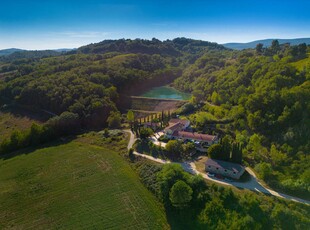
(180, 194)
(174, 147)
(302, 50)
(145, 133)
(275, 46)
(130, 117)
(225, 148)
(259, 48)
(236, 153)
(214, 151)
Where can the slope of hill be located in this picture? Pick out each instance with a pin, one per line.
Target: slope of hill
(5, 52)
(268, 101)
(27, 54)
(75, 186)
(262, 93)
(175, 47)
(64, 49)
(89, 79)
(265, 42)
(303, 63)
(14, 54)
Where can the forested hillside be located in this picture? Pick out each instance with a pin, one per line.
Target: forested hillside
(25, 54)
(8, 51)
(259, 93)
(267, 99)
(88, 81)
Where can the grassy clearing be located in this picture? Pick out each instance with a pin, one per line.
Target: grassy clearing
(75, 186)
(16, 118)
(116, 140)
(10, 122)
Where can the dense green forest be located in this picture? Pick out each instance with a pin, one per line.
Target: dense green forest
(257, 96)
(88, 81)
(267, 100)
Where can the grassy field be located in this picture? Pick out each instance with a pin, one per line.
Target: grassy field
(74, 186)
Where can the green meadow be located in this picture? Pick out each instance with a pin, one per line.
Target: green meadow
(75, 186)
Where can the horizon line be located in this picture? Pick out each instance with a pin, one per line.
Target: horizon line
(162, 40)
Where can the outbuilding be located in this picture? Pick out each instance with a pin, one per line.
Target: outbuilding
(224, 168)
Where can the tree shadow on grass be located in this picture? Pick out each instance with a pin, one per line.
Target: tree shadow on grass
(59, 141)
(184, 219)
(23, 112)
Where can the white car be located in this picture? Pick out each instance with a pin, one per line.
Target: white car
(210, 174)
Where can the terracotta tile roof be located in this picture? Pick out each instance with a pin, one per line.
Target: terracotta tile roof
(194, 136)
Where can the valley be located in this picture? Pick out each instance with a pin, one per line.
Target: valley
(253, 102)
(177, 115)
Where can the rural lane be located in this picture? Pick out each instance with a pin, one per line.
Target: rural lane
(190, 167)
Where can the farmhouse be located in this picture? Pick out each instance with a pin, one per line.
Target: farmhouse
(176, 130)
(224, 168)
(176, 125)
(202, 138)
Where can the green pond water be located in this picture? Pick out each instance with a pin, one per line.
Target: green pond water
(166, 92)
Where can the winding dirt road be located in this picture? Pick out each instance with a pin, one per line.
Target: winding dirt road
(190, 167)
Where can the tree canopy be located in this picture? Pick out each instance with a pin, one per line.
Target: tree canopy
(180, 194)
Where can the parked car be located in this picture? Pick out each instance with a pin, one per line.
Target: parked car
(210, 174)
(227, 179)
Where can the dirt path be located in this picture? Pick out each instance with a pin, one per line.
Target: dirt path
(190, 167)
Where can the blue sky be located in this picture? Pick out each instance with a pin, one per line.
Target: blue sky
(50, 24)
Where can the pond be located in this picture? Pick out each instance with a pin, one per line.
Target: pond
(166, 92)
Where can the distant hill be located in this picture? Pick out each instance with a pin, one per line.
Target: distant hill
(6, 52)
(265, 42)
(29, 54)
(175, 47)
(12, 54)
(64, 49)
(9, 51)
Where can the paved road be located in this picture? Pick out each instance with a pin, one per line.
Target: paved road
(190, 167)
